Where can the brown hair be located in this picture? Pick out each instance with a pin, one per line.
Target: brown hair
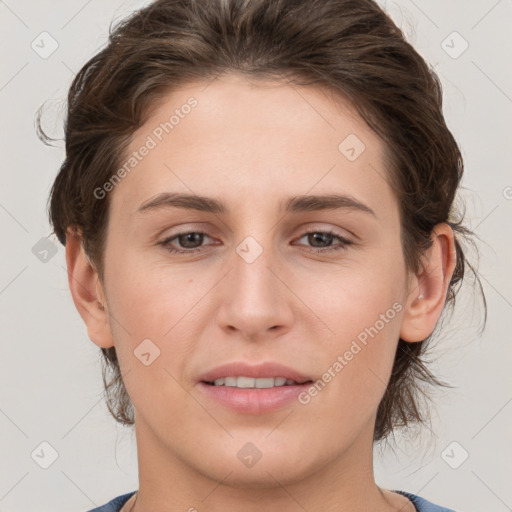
(350, 46)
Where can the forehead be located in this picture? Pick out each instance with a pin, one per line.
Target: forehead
(245, 139)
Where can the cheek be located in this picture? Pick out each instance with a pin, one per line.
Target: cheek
(149, 307)
(151, 319)
(363, 310)
(151, 299)
(357, 297)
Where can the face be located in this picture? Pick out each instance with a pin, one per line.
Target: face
(261, 276)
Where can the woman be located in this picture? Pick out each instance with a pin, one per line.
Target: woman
(257, 208)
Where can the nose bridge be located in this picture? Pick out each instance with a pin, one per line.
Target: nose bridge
(254, 299)
(252, 262)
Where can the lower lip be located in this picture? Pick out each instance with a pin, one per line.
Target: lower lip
(251, 400)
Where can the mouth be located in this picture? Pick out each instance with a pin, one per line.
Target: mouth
(253, 389)
(243, 382)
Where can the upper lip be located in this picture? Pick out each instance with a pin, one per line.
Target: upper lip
(261, 370)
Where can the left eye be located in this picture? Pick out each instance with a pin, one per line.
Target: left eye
(327, 238)
(191, 241)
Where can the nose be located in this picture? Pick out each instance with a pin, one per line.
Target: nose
(255, 300)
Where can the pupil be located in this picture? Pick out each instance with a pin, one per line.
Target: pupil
(190, 237)
(315, 237)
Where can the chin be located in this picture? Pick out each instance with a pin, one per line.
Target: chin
(246, 467)
(263, 475)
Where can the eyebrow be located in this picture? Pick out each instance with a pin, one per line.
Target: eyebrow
(294, 204)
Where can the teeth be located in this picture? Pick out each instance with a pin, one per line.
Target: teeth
(230, 381)
(268, 382)
(251, 382)
(245, 382)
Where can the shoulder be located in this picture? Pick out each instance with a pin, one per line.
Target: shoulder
(114, 505)
(423, 505)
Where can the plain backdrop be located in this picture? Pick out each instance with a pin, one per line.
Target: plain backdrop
(51, 389)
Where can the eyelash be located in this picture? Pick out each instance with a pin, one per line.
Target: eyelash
(341, 247)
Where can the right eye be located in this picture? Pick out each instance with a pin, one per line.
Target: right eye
(190, 241)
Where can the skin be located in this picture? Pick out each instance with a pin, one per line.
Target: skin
(252, 145)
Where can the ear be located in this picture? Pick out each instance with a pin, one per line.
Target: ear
(87, 291)
(428, 288)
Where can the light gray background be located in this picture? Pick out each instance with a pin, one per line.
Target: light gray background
(51, 388)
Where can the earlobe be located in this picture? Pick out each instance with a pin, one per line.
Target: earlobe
(87, 292)
(428, 289)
